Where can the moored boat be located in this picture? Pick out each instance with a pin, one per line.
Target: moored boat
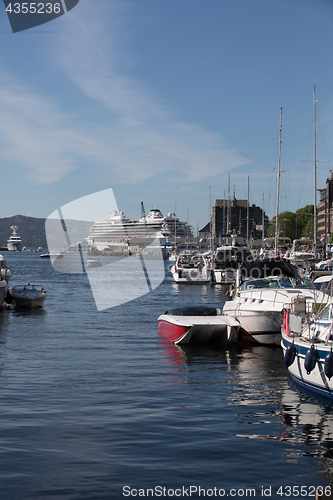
(93, 263)
(53, 255)
(28, 296)
(307, 342)
(3, 291)
(191, 268)
(5, 271)
(14, 243)
(227, 259)
(302, 252)
(258, 303)
(197, 324)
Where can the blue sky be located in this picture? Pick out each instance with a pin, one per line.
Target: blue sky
(161, 100)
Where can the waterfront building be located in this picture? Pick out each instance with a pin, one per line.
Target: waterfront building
(325, 211)
(236, 216)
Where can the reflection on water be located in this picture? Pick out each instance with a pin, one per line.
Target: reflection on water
(262, 393)
(98, 396)
(309, 422)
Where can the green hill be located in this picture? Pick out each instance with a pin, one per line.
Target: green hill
(30, 230)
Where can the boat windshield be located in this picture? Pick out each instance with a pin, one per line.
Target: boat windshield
(278, 282)
(186, 260)
(325, 315)
(233, 255)
(195, 311)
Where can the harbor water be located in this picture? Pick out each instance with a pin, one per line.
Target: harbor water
(94, 405)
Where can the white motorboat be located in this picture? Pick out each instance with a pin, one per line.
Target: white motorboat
(258, 304)
(307, 342)
(53, 255)
(14, 243)
(28, 296)
(93, 263)
(3, 291)
(324, 283)
(5, 271)
(197, 324)
(191, 268)
(226, 262)
(302, 252)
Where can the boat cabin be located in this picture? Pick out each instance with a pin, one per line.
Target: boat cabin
(303, 246)
(187, 260)
(231, 256)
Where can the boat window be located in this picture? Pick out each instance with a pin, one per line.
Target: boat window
(302, 283)
(273, 284)
(249, 285)
(285, 283)
(325, 315)
(325, 287)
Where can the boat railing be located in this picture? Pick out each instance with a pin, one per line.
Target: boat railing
(308, 328)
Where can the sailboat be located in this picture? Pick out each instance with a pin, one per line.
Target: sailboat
(260, 300)
(307, 339)
(304, 250)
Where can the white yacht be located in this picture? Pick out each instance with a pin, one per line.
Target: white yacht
(258, 304)
(192, 268)
(302, 251)
(117, 230)
(307, 344)
(14, 243)
(227, 259)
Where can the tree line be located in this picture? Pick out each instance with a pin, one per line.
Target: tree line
(294, 225)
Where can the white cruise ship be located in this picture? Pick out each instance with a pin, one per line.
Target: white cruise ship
(118, 229)
(14, 242)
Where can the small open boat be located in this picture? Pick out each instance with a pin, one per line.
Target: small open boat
(200, 324)
(28, 296)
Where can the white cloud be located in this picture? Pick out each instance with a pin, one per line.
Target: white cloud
(34, 133)
(144, 140)
(130, 132)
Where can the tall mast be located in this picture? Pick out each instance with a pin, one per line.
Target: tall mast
(263, 219)
(248, 210)
(278, 189)
(176, 227)
(210, 217)
(315, 174)
(228, 211)
(223, 228)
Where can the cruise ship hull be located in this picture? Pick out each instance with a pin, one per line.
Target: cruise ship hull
(118, 231)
